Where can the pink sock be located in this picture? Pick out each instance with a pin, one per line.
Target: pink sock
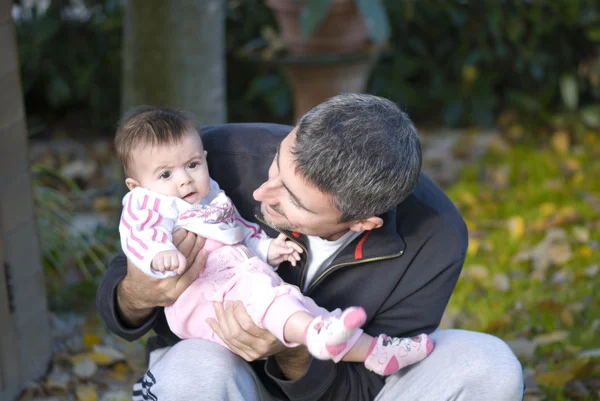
(329, 337)
(390, 354)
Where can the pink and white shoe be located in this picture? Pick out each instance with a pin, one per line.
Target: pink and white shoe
(331, 337)
(388, 355)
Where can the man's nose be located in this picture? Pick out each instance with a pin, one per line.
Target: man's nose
(268, 192)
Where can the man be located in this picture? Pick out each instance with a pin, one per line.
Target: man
(345, 183)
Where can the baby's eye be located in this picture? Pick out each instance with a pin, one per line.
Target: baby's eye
(165, 175)
(193, 165)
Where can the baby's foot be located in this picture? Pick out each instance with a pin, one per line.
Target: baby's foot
(327, 337)
(390, 354)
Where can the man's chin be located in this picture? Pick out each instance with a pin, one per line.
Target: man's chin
(267, 215)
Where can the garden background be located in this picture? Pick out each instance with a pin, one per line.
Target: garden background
(506, 96)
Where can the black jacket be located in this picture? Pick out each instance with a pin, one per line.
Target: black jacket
(402, 274)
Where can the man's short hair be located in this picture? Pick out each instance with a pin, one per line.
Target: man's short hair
(361, 149)
(150, 126)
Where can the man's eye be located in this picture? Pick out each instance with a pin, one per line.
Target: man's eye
(193, 165)
(165, 175)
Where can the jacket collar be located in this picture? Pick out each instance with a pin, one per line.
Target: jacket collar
(384, 242)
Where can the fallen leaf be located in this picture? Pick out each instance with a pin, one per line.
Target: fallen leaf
(104, 355)
(501, 282)
(498, 324)
(569, 167)
(522, 347)
(473, 247)
(547, 208)
(551, 338)
(581, 234)
(90, 340)
(585, 251)
(58, 380)
(576, 390)
(476, 272)
(85, 369)
(591, 271)
(590, 353)
(516, 227)
(567, 317)
(468, 199)
(86, 393)
(560, 142)
(556, 379)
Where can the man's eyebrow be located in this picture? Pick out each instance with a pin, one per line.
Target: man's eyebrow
(294, 197)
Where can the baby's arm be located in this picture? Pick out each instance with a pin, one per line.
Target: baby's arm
(146, 225)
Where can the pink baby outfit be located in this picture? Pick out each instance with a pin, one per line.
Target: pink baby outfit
(232, 272)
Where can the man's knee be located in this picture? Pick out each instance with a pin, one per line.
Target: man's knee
(194, 367)
(489, 365)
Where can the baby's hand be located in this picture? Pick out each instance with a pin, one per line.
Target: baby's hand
(169, 261)
(281, 250)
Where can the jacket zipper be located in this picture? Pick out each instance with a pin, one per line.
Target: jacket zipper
(331, 268)
(335, 267)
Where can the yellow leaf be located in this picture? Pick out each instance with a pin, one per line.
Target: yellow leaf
(585, 251)
(561, 142)
(75, 359)
(547, 208)
(86, 393)
(101, 358)
(473, 247)
(578, 178)
(516, 227)
(90, 340)
(470, 225)
(468, 198)
(121, 367)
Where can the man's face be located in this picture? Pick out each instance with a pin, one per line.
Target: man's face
(291, 203)
(178, 170)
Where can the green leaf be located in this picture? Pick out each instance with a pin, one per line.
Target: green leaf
(313, 13)
(569, 91)
(375, 16)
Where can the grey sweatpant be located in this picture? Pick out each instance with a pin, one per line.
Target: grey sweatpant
(465, 366)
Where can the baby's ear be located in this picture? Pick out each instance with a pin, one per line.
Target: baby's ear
(131, 183)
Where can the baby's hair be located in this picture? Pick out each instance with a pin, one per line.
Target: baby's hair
(150, 126)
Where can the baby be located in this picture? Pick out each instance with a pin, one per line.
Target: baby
(170, 188)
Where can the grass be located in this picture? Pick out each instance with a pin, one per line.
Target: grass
(511, 199)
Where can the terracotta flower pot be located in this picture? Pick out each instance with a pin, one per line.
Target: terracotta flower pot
(343, 31)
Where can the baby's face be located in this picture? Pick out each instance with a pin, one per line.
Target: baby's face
(174, 170)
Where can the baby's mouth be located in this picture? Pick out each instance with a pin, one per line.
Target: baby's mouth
(189, 196)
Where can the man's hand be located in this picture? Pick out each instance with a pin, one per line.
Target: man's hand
(138, 294)
(237, 329)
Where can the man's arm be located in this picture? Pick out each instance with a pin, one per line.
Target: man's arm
(127, 299)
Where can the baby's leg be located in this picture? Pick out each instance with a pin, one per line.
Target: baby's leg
(387, 355)
(326, 337)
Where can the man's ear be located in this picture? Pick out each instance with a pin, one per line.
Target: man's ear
(131, 183)
(370, 223)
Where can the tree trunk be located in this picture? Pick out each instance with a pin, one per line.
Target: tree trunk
(25, 346)
(174, 55)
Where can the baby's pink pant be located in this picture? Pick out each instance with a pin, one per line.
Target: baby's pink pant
(231, 273)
